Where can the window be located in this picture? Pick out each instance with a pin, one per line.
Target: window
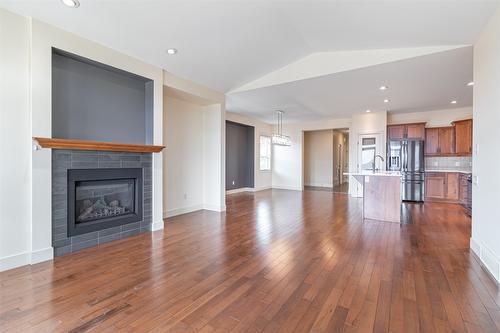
(265, 153)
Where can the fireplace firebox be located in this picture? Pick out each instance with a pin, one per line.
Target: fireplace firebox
(103, 198)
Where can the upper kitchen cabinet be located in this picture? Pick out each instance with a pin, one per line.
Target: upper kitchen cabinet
(431, 141)
(463, 137)
(396, 132)
(406, 131)
(446, 141)
(415, 131)
(440, 141)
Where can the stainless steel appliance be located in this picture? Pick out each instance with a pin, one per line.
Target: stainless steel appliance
(407, 156)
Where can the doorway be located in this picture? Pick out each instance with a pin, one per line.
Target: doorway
(326, 159)
(369, 145)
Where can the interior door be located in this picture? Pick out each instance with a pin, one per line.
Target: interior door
(369, 145)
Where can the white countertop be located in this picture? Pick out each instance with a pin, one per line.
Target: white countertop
(377, 173)
(448, 170)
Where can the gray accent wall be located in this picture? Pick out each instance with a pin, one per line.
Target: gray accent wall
(240, 147)
(62, 160)
(93, 101)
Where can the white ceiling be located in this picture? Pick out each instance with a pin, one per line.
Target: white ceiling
(226, 43)
(421, 83)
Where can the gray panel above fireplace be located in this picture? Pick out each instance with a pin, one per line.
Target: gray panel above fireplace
(93, 101)
(62, 160)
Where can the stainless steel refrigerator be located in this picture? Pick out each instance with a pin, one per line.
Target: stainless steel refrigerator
(407, 156)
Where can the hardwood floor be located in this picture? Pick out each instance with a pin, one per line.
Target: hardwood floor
(340, 188)
(278, 261)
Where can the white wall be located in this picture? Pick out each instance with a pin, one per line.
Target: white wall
(318, 158)
(15, 142)
(263, 179)
(365, 123)
(29, 73)
(212, 104)
(214, 155)
(44, 37)
(434, 118)
(183, 157)
(485, 241)
(288, 168)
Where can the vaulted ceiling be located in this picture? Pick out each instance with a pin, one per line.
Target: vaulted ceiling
(224, 44)
(422, 83)
(251, 48)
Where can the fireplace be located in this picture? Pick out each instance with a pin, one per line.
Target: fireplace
(99, 199)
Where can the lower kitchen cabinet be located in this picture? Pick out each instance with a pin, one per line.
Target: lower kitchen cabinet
(435, 183)
(452, 186)
(444, 186)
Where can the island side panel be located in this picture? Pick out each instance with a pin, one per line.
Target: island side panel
(382, 198)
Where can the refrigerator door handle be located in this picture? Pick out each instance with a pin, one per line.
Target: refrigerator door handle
(405, 155)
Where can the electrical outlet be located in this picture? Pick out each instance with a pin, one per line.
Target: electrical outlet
(476, 148)
(457, 163)
(475, 180)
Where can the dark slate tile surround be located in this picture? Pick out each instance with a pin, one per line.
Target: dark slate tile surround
(62, 160)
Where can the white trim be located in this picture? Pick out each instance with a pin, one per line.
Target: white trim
(248, 189)
(263, 188)
(26, 258)
(319, 184)
(42, 255)
(215, 208)
(14, 261)
(180, 211)
(489, 261)
(239, 190)
(290, 188)
(158, 225)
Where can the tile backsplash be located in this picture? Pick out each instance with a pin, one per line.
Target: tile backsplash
(452, 162)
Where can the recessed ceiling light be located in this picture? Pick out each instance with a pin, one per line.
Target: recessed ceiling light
(368, 111)
(71, 3)
(383, 88)
(172, 51)
(471, 83)
(453, 102)
(386, 101)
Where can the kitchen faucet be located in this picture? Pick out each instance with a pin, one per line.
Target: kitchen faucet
(375, 159)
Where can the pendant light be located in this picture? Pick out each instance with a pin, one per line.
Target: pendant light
(278, 138)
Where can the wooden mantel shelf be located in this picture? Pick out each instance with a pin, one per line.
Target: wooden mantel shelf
(96, 145)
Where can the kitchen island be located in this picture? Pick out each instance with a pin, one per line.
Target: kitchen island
(381, 195)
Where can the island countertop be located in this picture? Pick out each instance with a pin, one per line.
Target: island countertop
(376, 173)
(381, 194)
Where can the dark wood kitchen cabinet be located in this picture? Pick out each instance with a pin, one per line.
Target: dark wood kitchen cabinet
(446, 140)
(440, 141)
(406, 131)
(396, 132)
(463, 137)
(442, 186)
(452, 186)
(435, 183)
(431, 141)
